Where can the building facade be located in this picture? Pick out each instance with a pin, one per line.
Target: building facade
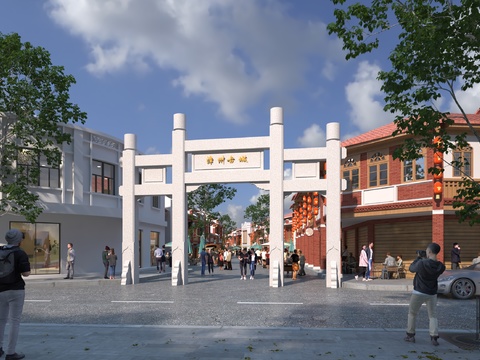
(82, 205)
(393, 203)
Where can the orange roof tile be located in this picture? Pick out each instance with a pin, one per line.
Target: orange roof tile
(386, 131)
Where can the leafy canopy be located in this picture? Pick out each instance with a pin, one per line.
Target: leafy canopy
(203, 202)
(259, 214)
(34, 102)
(436, 54)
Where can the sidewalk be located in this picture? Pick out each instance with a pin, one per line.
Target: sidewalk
(75, 342)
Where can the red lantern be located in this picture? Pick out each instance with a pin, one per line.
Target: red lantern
(437, 188)
(309, 208)
(438, 158)
(315, 211)
(309, 200)
(438, 176)
(309, 216)
(315, 193)
(315, 201)
(304, 198)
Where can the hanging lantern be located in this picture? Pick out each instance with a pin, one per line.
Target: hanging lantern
(309, 208)
(315, 201)
(438, 176)
(437, 141)
(304, 198)
(437, 189)
(304, 213)
(305, 205)
(304, 220)
(315, 193)
(310, 216)
(309, 200)
(438, 158)
(315, 211)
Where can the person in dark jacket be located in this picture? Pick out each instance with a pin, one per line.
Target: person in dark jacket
(427, 269)
(455, 254)
(12, 295)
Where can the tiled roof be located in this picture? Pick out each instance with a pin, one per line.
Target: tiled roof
(387, 130)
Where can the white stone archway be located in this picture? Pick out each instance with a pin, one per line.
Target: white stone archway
(231, 160)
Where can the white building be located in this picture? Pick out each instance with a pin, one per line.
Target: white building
(82, 205)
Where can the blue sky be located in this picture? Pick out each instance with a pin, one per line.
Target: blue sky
(223, 63)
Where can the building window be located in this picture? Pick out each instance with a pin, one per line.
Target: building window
(414, 170)
(103, 177)
(156, 202)
(464, 156)
(377, 170)
(37, 170)
(351, 174)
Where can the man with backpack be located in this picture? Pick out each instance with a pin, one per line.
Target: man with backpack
(13, 265)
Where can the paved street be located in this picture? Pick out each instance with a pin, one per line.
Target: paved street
(221, 316)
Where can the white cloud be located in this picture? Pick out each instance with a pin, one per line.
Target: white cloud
(469, 100)
(366, 99)
(287, 173)
(313, 136)
(236, 213)
(254, 198)
(228, 52)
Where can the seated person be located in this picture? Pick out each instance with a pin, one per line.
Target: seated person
(389, 261)
(352, 262)
(399, 261)
(476, 260)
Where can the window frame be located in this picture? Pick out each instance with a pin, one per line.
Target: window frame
(413, 165)
(38, 163)
(100, 180)
(456, 172)
(377, 161)
(349, 167)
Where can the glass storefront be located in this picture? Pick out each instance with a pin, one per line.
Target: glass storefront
(42, 245)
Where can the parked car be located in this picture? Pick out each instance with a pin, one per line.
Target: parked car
(462, 283)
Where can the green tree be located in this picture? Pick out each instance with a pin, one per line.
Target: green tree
(228, 225)
(259, 214)
(203, 202)
(437, 55)
(34, 102)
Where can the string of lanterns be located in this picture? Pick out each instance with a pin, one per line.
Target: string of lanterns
(438, 163)
(305, 211)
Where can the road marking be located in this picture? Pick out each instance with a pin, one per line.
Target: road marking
(390, 304)
(143, 302)
(266, 303)
(38, 300)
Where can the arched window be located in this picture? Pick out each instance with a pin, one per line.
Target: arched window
(351, 174)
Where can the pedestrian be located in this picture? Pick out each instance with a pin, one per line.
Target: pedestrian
(105, 261)
(203, 260)
(427, 269)
(112, 261)
(163, 262)
(295, 258)
(243, 259)
(253, 263)
(158, 253)
(369, 252)
(362, 263)
(455, 254)
(301, 263)
(12, 293)
(210, 261)
(229, 259)
(70, 261)
(225, 259)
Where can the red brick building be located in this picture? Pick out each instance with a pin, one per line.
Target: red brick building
(393, 204)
